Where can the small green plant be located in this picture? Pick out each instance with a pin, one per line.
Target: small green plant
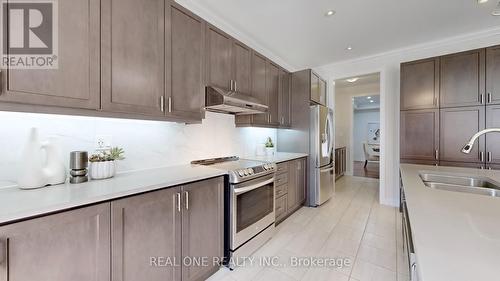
(269, 143)
(115, 153)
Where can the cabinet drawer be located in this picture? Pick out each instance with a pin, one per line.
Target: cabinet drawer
(280, 207)
(282, 168)
(281, 190)
(281, 179)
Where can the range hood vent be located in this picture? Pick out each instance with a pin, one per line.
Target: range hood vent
(230, 102)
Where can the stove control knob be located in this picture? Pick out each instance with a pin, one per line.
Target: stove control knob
(241, 173)
(265, 166)
(245, 172)
(249, 171)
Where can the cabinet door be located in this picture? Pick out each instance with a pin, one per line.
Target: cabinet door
(259, 90)
(186, 95)
(73, 245)
(202, 227)
(285, 98)
(462, 79)
(492, 139)
(292, 185)
(218, 60)
(493, 75)
(301, 180)
(315, 91)
(133, 64)
(457, 126)
(242, 65)
(420, 84)
(145, 227)
(272, 85)
(76, 82)
(322, 91)
(419, 134)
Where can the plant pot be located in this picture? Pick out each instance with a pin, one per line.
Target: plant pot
(102, 170)
(269, 151)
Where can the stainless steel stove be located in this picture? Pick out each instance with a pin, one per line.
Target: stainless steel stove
(250, 203)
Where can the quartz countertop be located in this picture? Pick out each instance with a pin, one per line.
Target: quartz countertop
(17, 204)
(278, 157)
(456, 235)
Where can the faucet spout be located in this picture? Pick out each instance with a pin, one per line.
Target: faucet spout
(468, 146)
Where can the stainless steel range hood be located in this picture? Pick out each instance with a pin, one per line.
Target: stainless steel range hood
(230, 102)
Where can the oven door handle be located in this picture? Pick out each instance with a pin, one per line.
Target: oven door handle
(245, 189)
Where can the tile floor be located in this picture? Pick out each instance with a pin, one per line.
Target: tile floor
(352, 225)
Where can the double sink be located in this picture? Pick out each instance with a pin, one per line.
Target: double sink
(461, 183)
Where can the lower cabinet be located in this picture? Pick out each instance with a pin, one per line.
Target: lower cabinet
(181, 225)
(290, 189)
(170, 234)
(73, 245)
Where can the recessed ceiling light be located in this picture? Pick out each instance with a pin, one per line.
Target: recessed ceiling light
(352, 80)
(482, 1)
(349, 48)
(330, 13)
(369, 98)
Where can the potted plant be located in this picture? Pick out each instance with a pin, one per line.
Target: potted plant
(102, 164)
(269, 146)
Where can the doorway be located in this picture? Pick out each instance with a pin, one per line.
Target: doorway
(357, 126)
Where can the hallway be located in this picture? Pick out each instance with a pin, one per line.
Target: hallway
(351, 226)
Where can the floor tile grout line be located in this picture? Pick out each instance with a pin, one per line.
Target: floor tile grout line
(364, 232)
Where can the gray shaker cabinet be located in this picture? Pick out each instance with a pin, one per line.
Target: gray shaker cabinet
(75, 83)
(183, 224)
(202, 227)
(73, 245)
(133, 56)
(145, 227)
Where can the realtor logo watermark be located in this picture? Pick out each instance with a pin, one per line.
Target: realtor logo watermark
(29, 34)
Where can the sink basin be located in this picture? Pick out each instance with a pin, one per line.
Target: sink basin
(461, 183)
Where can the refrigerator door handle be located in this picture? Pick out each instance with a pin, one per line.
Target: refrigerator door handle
(327, 169)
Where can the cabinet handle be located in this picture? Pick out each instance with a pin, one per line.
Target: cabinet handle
(169, 104)
(162, 103)
(481, 98)
(187, 200)
(481, 156)
(270, 118)
(489, 98)
(437, 154)
(235, 85)
(489, 156)
(178, 195)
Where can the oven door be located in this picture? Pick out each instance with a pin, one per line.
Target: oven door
(252, 209)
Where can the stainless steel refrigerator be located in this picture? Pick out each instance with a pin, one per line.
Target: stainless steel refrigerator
(322, 163)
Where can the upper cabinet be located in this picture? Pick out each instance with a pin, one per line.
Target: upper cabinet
(285, 98)
(186, 94)
(462, 80)
(493, 75)
(242, 67)
(133, 61)
(318, 89)
(218, 58)
(273, 86)
(76, 81)
(420, 84)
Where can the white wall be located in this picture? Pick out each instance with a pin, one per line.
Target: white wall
(388, 64)
(147, 144)
(360, 130)
(344, 117)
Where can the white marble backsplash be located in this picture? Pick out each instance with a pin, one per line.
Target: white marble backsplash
(147, 144)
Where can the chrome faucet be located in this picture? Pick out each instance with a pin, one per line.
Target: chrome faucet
(468, 147)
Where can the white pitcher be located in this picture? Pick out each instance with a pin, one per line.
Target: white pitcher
(35, 171)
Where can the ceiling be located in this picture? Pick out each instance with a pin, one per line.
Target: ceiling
(366, 102)
(299, 32)
(362, 80)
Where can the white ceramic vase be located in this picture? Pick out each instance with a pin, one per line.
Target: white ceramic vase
(102, 170)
